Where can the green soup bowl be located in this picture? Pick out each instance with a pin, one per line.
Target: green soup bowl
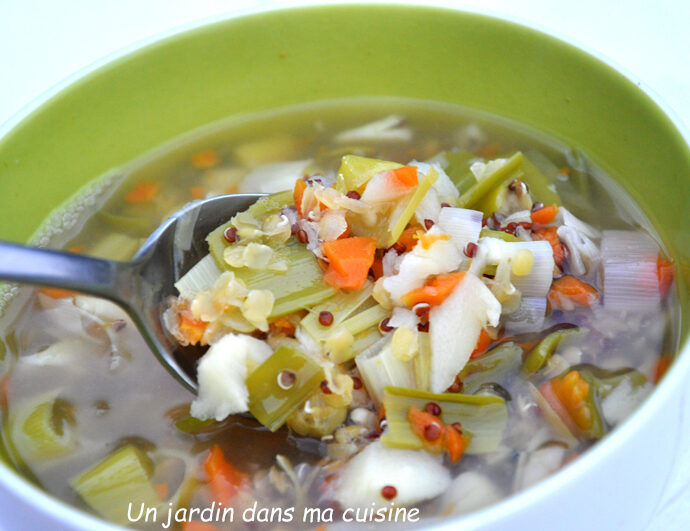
(276, 58)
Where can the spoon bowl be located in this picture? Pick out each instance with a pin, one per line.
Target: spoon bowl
(141, 286)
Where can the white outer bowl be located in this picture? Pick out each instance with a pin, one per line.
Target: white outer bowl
(615, 485)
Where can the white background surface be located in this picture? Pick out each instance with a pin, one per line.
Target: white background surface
(42, 42)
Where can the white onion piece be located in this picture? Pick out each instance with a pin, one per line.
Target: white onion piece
(403, 317)
(332, 224)
(382, 188)
(428, 208)
(311, 229)
(391, 262)
(379, 367)
(569, 220)
(441, 257)
(274, 177)
(469, 492)
(415, 474)
(528, 317)
(622, 401)
(521, 216)
(443, 185)
(463, 225)
(538, 465)
(390, 128)
(454, 328)
(631, 279)
(583, 254)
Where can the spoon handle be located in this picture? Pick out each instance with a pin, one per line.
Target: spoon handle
(45, 267)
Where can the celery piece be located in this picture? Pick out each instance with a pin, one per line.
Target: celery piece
(263, 208)
(355, 172)
(121, 479)
(540, 354)
(397, 225)
(115, 246)
(363, 341)
(199, 278)
(270, 403)
(301, 286)
(483, 418)
(475, 193)
(138, 226)
(191, 424)
(341, 306)
(540, 187)
(496, 366)
(458, 169)
(365, 319)
(488, 233)
(422, 363)
(46, 431)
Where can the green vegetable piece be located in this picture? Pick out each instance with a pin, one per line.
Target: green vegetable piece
(474, 194)
(122, 478)
(260, 210)
(540, 187)
(341, 306)
(318, 420)
(483, 418)
(355, 172)
(496, 366)
(191, 424)
(398, 224)
(458, 169)
(539, 355)
(488, 233)
(269, 402)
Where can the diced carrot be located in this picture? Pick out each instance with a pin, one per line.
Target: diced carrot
(162, 490)
(665, 271)
(143, 192)
(569, 291)
(232, 189)
(572, 392)
(662, 365)
(547, 391)
(224, 479)
(435, 291)
(407, 239)
(205, 159)
(349, 261)
(482, 344)
(455, 443)
(76, 248)
(550, 235)
(298, 193)
(322, 527)
(192, 329)
(282, 325)
(197, 525)
(421, 423)
(405, 177)
(544, 215)
(57, 293)
(489, 151)
(197, 192)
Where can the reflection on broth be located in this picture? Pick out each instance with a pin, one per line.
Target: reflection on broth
(584, 326)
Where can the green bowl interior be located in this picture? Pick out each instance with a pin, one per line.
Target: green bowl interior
(277, 58)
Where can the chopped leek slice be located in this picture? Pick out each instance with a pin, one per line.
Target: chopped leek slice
(365, 319)
(379, 367)
(44, 429)
(355, 172)
(540, 187)
(604, 382)
(269, 402)
(199, 278)
(506, 237)
(496, 366)
(483, 418)
(474, 194)
(121, 479)
(341, 306)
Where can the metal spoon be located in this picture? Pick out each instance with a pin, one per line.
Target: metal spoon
(141, 286)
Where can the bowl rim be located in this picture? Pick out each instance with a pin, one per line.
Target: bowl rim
(48, 505)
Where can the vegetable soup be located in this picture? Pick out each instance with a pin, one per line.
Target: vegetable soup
(430, 310)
